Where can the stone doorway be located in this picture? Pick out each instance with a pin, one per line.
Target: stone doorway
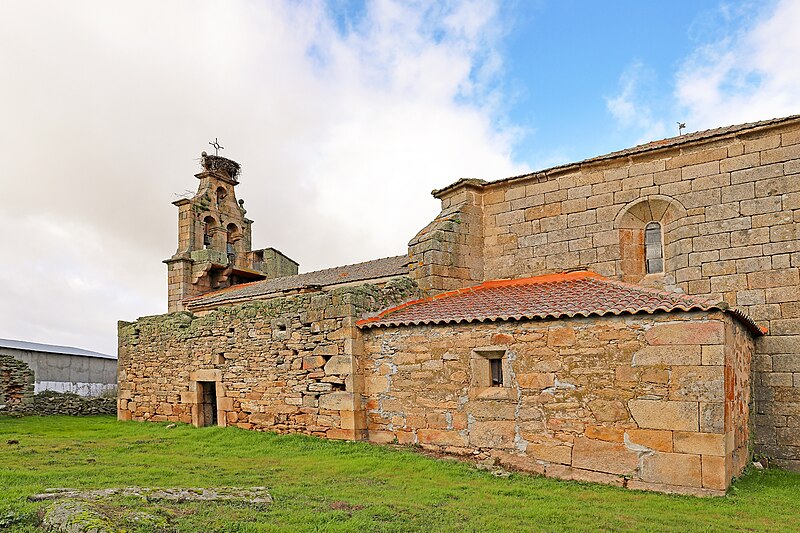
(207, 408)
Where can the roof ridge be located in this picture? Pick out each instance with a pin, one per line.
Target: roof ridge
(543, 278)
(579, 293)
(677, 140)
(661, 143)
(491, 284)
(656, 290)
(227, 289)
(348, 265)
(300, 276)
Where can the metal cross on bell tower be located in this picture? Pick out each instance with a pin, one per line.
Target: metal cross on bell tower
(216, 146)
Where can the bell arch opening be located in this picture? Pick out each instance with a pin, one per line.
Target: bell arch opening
(209, 223)
(233, 236)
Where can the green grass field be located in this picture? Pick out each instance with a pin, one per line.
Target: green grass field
(323, 485)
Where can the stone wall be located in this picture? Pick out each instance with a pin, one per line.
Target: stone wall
(284, 364)
(729, 206)
(448, 253)
(16, 384)
(652, 402)
(66, 403)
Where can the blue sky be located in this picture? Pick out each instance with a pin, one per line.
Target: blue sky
(562, 61)
(583, 48)
(343, 115)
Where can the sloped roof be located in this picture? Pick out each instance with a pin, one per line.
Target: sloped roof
(378, 268)
(51, 348)
(692, 137)
(572, 294)
(669, 142)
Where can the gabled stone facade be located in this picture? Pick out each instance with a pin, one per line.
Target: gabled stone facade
(661, 399)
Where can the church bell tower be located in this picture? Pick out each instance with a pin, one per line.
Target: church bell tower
(214, 246)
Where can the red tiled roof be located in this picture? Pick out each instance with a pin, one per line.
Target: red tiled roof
(552, 296)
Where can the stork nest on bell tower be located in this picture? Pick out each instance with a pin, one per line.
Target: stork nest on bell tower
(216, 162)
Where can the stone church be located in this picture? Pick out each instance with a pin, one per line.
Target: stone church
(631, 319)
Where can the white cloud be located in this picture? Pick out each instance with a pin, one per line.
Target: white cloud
(629, 107)
(743, 69)
(60, 284)
(750, 74)
(341, 133)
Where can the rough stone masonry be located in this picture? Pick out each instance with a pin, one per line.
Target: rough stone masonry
(631, 319)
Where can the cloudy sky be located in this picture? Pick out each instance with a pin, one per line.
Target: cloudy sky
(344, 116)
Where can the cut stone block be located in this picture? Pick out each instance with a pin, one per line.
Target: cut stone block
(577, 474)
(550, 453)
(492, 434)
(440, 437)
(697, 383)
(339, 365)
(657, 414)
(336, 401)
(667, 355)
(714, 473)
(707, 332)
(699, 443)
(655, 439)
(536, 380)
(672, 469)
(712, 417)
(601, 456)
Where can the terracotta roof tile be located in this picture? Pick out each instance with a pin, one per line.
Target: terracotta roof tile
(552, 296)
(378, 268)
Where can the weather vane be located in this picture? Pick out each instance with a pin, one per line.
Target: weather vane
(216, 146)
(681, 125)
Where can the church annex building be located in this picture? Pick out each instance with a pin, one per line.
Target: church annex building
(631, 319)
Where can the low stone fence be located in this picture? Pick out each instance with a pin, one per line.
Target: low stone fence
(66, 403)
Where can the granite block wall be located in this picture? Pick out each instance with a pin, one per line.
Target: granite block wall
(649, 402)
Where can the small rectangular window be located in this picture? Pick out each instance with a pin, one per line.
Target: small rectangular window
(496, 372)
(487, 367)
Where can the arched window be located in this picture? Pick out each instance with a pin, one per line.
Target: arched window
(208, 225)
(221, 194)
(653, 248)
(645, 245)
